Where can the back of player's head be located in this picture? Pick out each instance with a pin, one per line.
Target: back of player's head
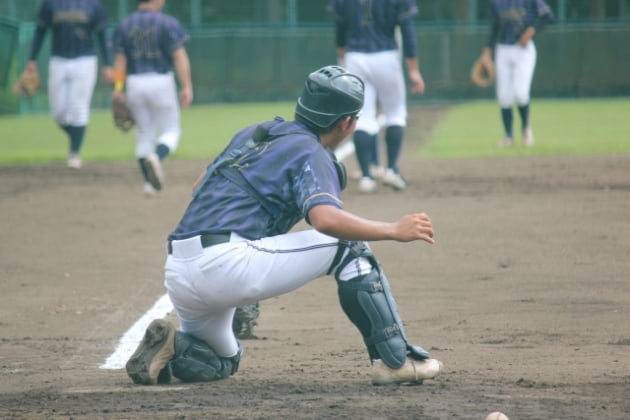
(329, 94)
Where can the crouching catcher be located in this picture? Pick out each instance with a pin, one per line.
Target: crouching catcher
(232, 247)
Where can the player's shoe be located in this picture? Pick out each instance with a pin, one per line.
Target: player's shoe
(377, 172)
(156, 349)
(528, 137)
(148, 190)
(506, 142)
(413, 372)
(74, 161)
(367, 185)
(154, 171)
(394, 180)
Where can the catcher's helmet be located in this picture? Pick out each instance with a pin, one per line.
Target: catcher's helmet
(329, 94)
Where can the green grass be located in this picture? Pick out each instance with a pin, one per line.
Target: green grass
(205, 132)
(592, 126)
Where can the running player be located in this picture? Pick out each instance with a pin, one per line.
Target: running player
(367, 45)
(72, 70)
(148, 45)
(514, 24)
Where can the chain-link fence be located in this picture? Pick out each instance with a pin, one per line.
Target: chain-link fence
(242, 63)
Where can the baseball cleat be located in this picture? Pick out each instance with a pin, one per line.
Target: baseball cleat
(156, 349)
(412, 372)
(394, 180)
(148, 189)
(528, 137)
(506, 142)
(74, 161)
(154, 170)
(367, 185)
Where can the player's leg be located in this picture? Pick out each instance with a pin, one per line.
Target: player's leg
(523, 76)
(58, 92)
(82, 79)
(139, 91)
(505, 90)
(391, 93)
(366, 298)
(365, 136)
(206, 292)
(167, 113)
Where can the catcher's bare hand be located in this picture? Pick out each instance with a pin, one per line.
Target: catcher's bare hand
(413, 227)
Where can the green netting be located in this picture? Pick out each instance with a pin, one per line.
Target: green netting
(247, 64)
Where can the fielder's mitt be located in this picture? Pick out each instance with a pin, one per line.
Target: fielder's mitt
(245, 320)
(482, 73)
(123, 118)
(27, 84)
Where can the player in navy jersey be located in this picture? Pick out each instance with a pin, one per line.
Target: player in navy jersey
(232, 247)
(149, 46)
(366, 39)
(72, 71)
(514, 24)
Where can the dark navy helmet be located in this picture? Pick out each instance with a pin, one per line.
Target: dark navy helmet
(329, 94)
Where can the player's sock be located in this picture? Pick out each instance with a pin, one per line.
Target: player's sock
(77, 134)
(143, 169)
(364, 149)
(162, 151)
(524, 113)
(394, 138)
(506, 117)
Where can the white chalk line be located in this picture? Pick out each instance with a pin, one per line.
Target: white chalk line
(130, 340)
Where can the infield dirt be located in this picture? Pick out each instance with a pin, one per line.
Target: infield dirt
(525, 296)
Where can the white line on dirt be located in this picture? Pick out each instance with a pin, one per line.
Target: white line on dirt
(130, 340)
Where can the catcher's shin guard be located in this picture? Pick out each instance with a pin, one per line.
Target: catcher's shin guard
(195, 361)
(369, 304)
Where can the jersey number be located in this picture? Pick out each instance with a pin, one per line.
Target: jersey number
(145, 43)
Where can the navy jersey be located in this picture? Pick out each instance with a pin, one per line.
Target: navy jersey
(511, 17)
(73, 24)
(292, 174)
(148, 40)
(369, 26)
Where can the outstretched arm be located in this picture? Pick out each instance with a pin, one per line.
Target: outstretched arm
(341, 224)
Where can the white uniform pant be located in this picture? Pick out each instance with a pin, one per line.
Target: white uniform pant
(206, 285)
(515, 71)
(384, 86)
(152, 98)
(70, 86)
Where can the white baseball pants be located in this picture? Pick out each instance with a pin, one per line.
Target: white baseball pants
(206, 285)
(384, 86)
(71, 83)
(515, 70)
(153, 100)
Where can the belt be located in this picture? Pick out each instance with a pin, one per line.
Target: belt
(207, 240)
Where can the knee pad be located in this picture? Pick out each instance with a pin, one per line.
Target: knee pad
(195, 361)
(368, 303)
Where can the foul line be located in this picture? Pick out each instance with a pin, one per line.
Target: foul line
(130, 340)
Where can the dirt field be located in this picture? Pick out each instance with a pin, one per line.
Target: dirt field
(525, 297)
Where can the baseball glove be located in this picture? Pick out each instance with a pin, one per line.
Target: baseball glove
(245, 320)
(482, 73)
(123, 118)
(27, 84)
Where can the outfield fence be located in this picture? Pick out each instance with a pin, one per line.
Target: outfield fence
(266, 63)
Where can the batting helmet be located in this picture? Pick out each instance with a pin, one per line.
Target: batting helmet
(329, 94)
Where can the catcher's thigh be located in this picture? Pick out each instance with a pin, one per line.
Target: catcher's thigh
(207, 284)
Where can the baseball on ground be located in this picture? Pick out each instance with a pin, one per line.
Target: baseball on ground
(497, 415)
